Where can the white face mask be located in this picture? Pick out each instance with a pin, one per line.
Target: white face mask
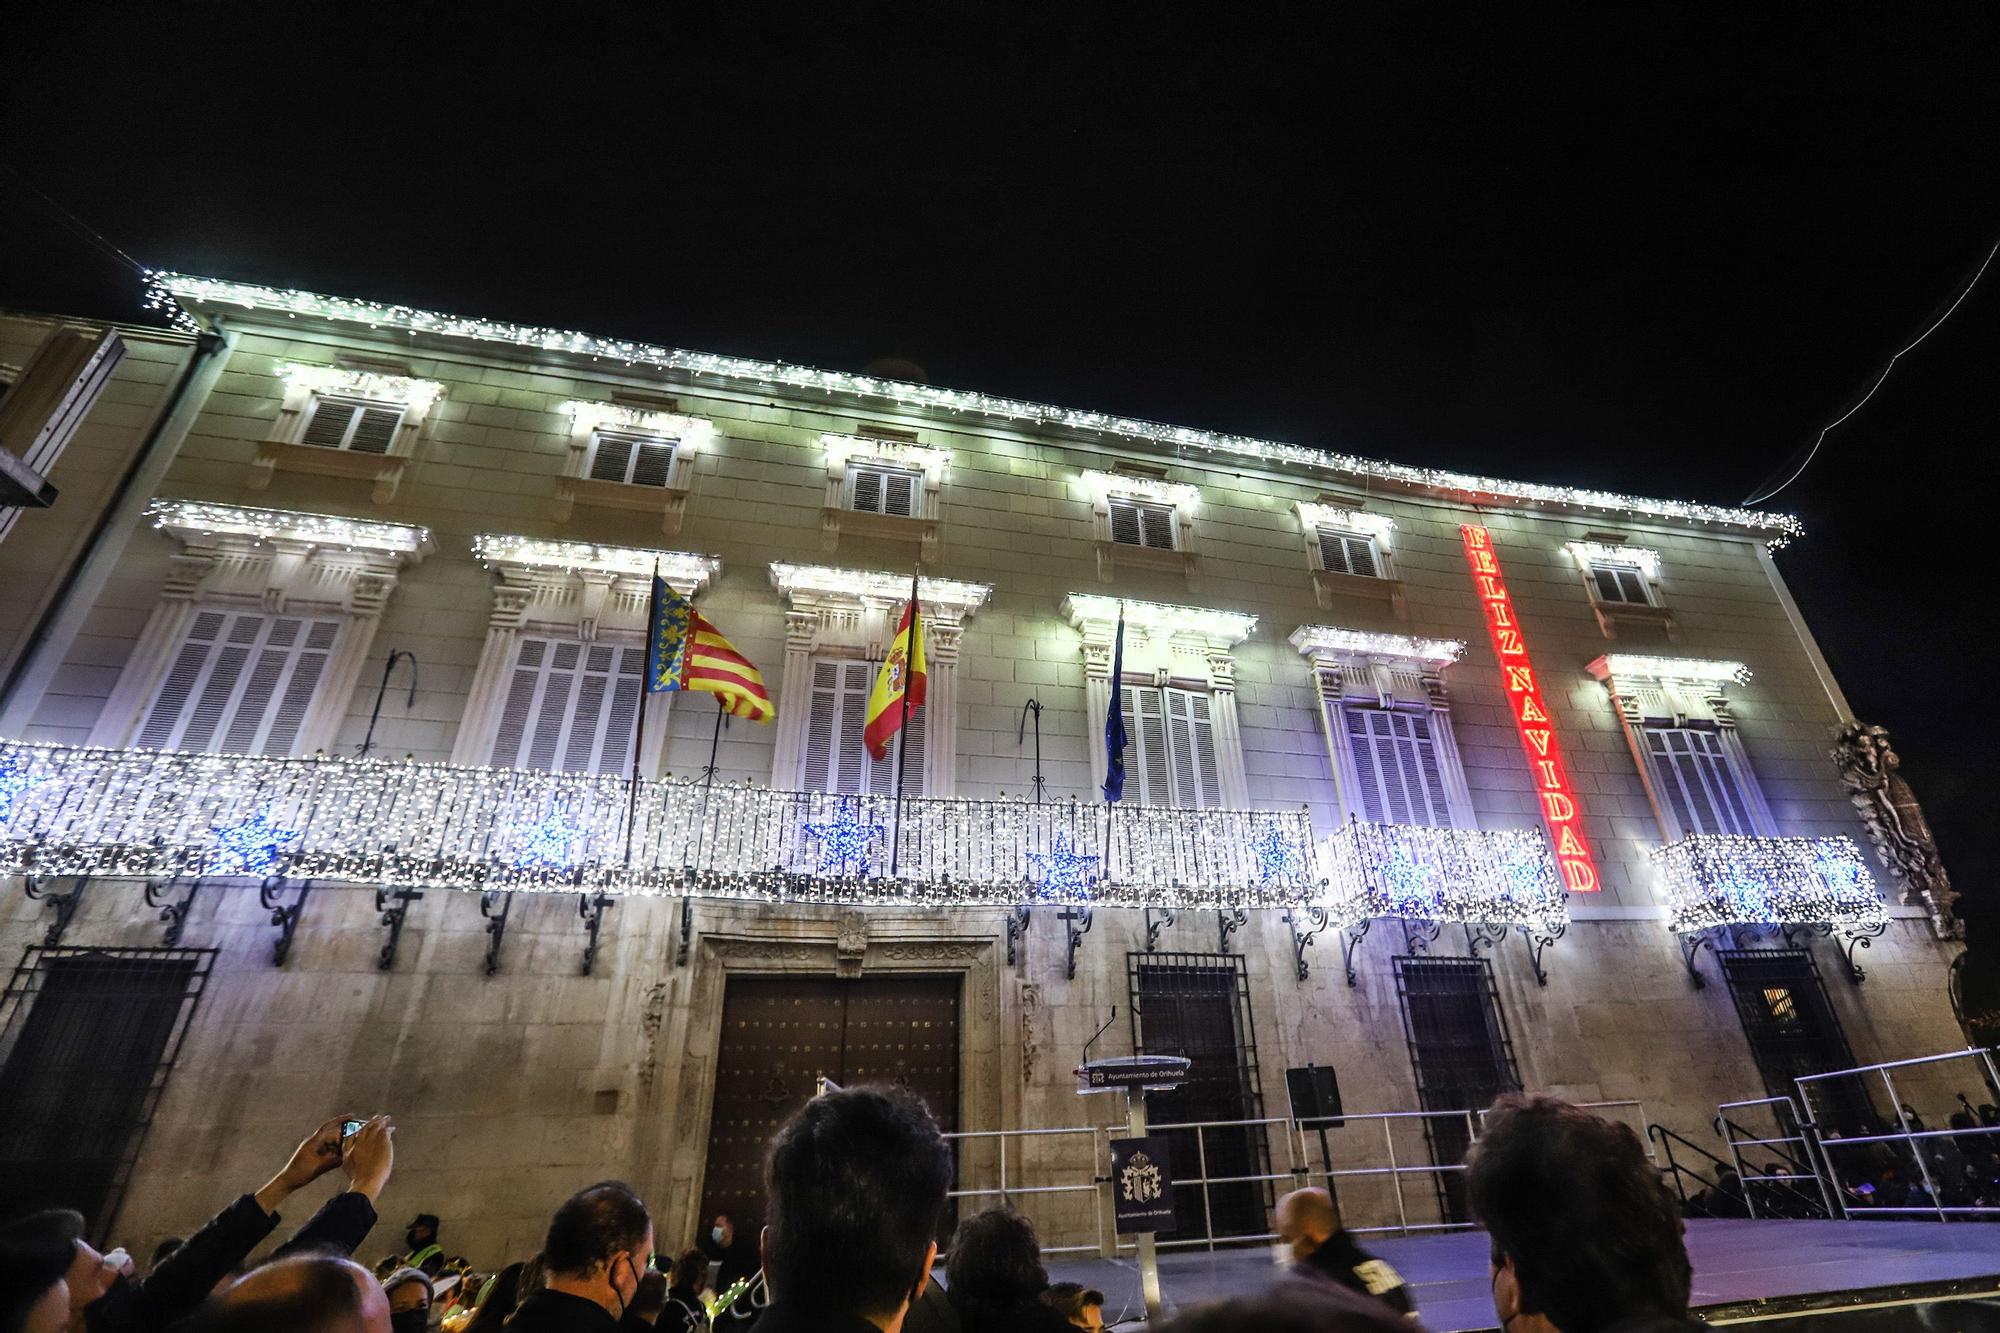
(1281, 1253)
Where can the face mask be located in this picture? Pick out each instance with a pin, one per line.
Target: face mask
(409, 1321)
(1281, 1254)
(715, 1234)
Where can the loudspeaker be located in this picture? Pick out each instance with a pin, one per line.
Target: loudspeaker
(1315, 1094)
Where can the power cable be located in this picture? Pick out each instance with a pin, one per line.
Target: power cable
(1870, 393)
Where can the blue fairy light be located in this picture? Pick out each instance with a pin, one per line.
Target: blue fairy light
(845, 840)
(251, 846)
(1065, 870)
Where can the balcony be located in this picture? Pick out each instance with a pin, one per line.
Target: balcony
(1495, 878)
(148, 814)
(1720, 879)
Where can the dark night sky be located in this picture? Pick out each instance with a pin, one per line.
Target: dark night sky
(1649, 249)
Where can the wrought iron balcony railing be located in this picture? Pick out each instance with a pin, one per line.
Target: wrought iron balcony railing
(1722, 879)
(157, 814)
(1495, 878)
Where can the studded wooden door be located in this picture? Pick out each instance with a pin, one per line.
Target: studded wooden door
(780, 1034)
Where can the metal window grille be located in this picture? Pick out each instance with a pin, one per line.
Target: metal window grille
(1198, 1005)
(1461, 1053)
(87, 1042)
(1793, 1030)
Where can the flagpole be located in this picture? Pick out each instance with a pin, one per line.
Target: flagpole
(639, 724)
(903, 727)
(1117, 704)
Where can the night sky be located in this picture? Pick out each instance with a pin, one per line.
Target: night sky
(1648, 249)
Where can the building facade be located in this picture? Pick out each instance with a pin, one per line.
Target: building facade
(322, 721)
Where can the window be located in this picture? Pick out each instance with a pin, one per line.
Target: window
(634, 460)
(1349, 553)
(91, 1038)
(1142, 523)
(1697, 780)
(241, 683)
(836, 757)
(1396, 759)
(881, 490)
(1622, 584)
(358, 425)
(1170, 747)
(1460, 1053)
(571, 706)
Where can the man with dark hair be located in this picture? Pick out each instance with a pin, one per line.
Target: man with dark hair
(34, 1272)
(105, 1298)
(304, 1293)
(1082, 1306)
(1584, 1232)
(856, 1183)
(599, 1247)
(1297, 1304)
(1312, 1241)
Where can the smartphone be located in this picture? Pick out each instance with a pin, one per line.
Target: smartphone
(348, 1129)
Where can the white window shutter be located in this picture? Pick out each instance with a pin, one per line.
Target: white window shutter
(587, 710)
(163, 718)
(621, 717)
(519, 709)
(1694, 777)
(308, 665)
(822, 729)
(1191, 737)
(1146, 751)
(1397, 763)
(653, 463)
(868, 490)
(855, 771)
(241, 683)
(570, 707)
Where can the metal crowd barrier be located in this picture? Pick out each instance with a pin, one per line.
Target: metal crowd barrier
(1808, 1155)
(1072, 1176)
(1916, 1142)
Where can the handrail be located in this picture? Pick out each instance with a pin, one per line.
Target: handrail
(1912, 1141)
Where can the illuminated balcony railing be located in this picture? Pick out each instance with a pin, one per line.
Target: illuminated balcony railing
(157, 814)
(1500, 877)
(1723, 879)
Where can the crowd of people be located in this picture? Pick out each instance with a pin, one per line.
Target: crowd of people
(1584, 1238)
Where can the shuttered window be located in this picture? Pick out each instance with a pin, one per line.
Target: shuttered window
(882, 490)
(836, 755)
(355, 424)
(1348, 553)
(1142, 523)
(1621, 583)
(571, 706)
(241, 683)
(1396, 758)
(634, 460)
(1696, 780)
(1170, 746)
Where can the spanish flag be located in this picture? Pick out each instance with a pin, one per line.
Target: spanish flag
(902, 671)
(685, 652)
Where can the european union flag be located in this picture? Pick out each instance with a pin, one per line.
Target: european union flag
(669, 625)
(1114, 718)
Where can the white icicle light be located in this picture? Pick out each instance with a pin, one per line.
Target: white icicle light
(1632, 666)
(680, 568)
(921, 457)
(1143, 488)
(878, 585)
(415, 393)
(688, 432)
(189, 518)
(1148, 617)
(1334, 639)
(1459, 485)
(1479, 876)
(1378, 526)
(1597, 553)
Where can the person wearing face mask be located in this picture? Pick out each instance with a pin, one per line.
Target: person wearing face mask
(1312, 1241)
(410, 1295)
(737, 1253)
(1585, 1236)
(422, 1237)
(105, 1296)
(599, 1247)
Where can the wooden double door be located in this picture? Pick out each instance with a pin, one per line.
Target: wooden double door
(781, 1034)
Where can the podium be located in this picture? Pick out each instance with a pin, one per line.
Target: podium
(1142, 1189)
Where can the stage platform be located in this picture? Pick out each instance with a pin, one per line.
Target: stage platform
(1735, 1262)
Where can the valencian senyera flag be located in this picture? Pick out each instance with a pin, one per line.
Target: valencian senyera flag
(685, 652)
(903, 670)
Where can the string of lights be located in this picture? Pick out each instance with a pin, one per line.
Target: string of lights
(1721, 879)
(294, 304)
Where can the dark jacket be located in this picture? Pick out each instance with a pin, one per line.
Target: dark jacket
(1027, 1316)
(185, 1277)
(801, 1317)
(739, 1258)
(1346, 1263)
(684, 1311)
(559, 1312)
(932, 1311)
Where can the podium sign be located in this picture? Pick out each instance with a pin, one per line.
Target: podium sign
(1142, 1185)
(1133, 1073)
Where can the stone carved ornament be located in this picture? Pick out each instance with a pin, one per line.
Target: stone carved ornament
(1896, 823)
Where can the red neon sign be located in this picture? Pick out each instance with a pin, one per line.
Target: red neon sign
(1531, 718)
